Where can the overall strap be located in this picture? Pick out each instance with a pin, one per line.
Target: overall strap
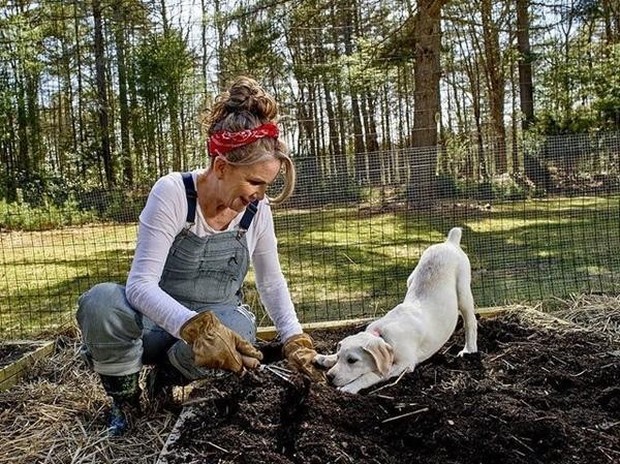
(247, 217)
(190, 193)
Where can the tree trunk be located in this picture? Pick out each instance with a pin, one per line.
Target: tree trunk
(204, 45)
(105, 152)
(427, 37)
(495, 81)
(526, 86)
(359, 148)
(175, 131)
(372, 145)
(335, 150)
(78, 66)
(121, 67)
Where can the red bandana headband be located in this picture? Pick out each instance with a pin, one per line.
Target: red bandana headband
(223, 142)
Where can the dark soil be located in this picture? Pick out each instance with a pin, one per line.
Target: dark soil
(532, 395)
(11, 352)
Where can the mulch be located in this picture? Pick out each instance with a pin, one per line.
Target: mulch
(539, 391)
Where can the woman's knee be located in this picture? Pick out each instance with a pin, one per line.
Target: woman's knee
(105, 306)
(94, 302)
(240, 320)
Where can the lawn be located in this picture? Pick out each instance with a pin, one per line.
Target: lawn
(343, 263)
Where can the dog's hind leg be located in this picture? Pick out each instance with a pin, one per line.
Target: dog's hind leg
(466, 308)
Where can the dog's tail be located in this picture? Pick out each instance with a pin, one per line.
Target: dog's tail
(454, 236)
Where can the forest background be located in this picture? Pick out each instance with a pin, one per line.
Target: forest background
(96, 95)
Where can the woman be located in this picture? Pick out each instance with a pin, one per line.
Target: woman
(181, 308)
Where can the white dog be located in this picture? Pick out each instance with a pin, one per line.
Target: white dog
(437, 290)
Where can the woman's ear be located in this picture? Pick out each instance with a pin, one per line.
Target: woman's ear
(219, 166)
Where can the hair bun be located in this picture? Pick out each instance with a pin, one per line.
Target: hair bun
(246, 95)
(244, 106)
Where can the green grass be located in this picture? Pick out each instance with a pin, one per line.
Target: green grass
(343, 263)
(43, 273)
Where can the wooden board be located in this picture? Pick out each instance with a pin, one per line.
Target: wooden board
(269, 332)
(12, 373)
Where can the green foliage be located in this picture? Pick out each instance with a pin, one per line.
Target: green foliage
(39, 189)
(504, 187)
(606, 85)
(164, 61)
(582, 87)
(446, 186)
(255, 50)
(23, 216)
(335, 190)
(58, 207)
(123, 206)
(577, 122)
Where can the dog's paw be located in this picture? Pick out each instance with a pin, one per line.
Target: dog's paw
(465, 351)
(325, 361)
(348, 389)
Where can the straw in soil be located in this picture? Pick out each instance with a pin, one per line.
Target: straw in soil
(57, 415)
(599, 313)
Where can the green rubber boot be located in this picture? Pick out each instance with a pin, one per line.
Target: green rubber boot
(125, 393)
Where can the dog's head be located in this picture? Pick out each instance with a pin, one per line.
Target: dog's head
(360, 354)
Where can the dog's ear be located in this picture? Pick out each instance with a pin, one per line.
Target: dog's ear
(382, 353)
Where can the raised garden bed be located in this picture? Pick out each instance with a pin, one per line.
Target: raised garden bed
(17, 357)
(540, 391)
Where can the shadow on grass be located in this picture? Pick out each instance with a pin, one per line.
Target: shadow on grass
(354, 262)
(42, 306)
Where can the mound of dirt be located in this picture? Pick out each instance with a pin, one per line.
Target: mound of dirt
(533, 394)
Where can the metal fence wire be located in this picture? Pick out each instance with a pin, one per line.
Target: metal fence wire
(347, 245)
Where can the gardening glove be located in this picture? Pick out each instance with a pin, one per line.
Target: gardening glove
(299, 352)
(216, 346)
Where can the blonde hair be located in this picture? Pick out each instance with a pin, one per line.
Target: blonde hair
(246, 105)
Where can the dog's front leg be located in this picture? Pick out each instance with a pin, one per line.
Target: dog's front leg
(372, 378)
(325, 360)
(398, 370)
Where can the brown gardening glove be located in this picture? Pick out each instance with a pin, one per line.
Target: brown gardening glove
(216, 346)
(299, 352)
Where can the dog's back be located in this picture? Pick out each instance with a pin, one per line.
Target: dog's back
(440, 264)
(438, 288)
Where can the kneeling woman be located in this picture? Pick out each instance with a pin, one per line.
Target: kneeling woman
(181, 308)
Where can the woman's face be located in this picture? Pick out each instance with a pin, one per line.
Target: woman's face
(241, 185)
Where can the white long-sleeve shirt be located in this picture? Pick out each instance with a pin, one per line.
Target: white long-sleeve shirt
(161, 220)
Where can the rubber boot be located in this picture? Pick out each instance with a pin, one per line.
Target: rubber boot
(125, 393)
(160, 383)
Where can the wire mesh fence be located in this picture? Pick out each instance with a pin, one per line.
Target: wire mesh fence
(348, 243)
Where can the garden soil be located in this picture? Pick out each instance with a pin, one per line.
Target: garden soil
(533, 394)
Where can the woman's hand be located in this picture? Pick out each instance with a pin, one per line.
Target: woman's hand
(216, 346)
(300, 353)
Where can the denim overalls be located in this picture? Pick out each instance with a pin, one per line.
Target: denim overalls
(202, 273)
